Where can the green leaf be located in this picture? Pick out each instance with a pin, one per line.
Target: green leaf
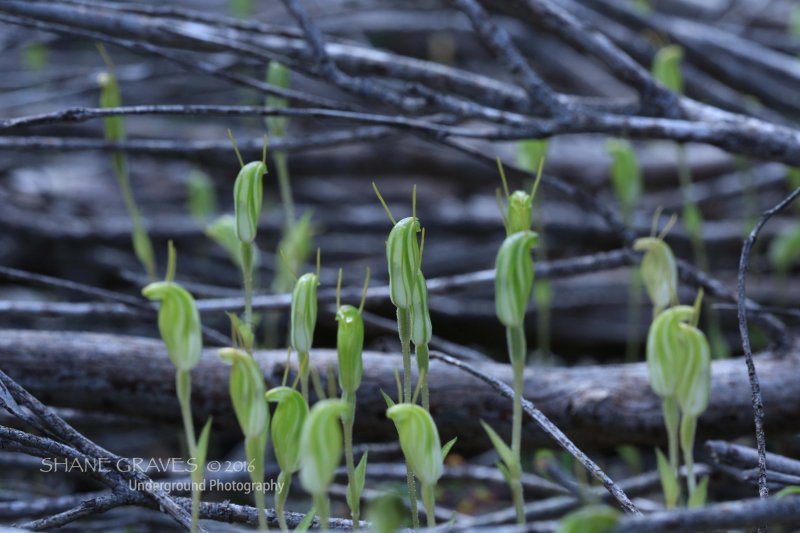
(669, 483)
(788, 491)
(698, 499)
(502, 448)
(201, 452)
(387, 399)
(360, 479)
(307, 520)
(590, 519)
(447, 447)
(501, 466)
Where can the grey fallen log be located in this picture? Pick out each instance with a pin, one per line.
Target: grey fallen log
(595, 405)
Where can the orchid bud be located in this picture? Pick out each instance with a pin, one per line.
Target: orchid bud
(666, 350)
(178, 323)
(402, 255)
(321, 445)
(349, 345)
(248, 194)
(277, 75)
(287, 426)
(667, 67)
(421, 329)
(514, 277)
(419, 440)
(520, 211)
(247, 392)
(304, 312)
(659, 271)
(626, 176)
(694, 385)
(590, 519)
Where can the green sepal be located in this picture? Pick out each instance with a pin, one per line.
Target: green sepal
(248, 195)
(349, 347)
(402, 257)
(287, 426)
(247, 392)
(514, 277)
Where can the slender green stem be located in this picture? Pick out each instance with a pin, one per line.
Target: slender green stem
(422, 383)
(518, 497)
(426, 400)
(321, 504)
(255, 448)
(247, 279)
(347, 424)
(284, 482)
(142, 246)
(303, 371)
(688, 428)
(428, 499)
(517, 350)
(671, 413)
(282, 163)
(404, 330)
(183, 388)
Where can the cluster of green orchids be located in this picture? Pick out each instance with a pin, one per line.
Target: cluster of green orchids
(307, 439)
(678, 365)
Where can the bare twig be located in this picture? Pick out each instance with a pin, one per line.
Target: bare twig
(548, 427)
(758, 402)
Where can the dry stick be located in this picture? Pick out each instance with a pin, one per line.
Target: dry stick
(548, 427)
(135, 305)
(500, 44)
(58, 426)
(758, 403)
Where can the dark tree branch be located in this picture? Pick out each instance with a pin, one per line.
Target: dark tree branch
(758, 402)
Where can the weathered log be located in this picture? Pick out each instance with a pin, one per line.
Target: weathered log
(597, 406)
